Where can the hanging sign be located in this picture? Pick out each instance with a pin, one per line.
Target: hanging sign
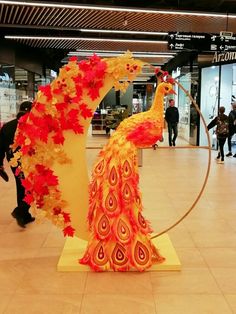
(200, 42)
(224, 57)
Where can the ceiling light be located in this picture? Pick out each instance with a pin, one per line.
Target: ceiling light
(118, 9)
(89, 39)
(121, 32)
(116, 54)
(119, 51)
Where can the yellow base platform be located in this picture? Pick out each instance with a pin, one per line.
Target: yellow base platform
(74, 249)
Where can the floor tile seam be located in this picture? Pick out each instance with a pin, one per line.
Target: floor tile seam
(119, 293)
(214, 278)
(228, 228)
(115, 294)
(46, 293)
(227, 302)
(207, 264)
(192, 294)
(187, 293)
(81, 303)
(203, 294)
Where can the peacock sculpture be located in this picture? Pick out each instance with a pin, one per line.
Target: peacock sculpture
(120, 235)
(52, 138)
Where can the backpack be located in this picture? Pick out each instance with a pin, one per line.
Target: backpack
(222, 128)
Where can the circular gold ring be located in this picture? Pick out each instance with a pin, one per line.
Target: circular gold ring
(207, 171)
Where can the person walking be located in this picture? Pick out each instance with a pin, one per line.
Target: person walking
(222, 132)
(172, 119)
(7, 133)
(232, 129)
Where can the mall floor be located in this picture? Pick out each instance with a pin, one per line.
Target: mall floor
(205, 242)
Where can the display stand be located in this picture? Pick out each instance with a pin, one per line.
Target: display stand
(74, 249)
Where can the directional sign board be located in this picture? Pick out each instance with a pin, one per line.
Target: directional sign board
(200, 42)
(221, 43)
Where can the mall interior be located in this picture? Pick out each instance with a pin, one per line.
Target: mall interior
(186, 193)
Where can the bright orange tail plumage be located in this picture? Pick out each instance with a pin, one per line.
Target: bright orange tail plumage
(120, 235)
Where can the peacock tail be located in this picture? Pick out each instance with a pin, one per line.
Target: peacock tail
(119, 233)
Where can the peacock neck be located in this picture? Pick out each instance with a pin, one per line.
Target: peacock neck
(158, 102)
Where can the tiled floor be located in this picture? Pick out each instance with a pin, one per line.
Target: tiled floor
(205, 242)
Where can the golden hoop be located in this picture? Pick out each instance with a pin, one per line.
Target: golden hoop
(208, 166)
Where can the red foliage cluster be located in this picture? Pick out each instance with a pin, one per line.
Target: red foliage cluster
(40, 125)
(37, 184)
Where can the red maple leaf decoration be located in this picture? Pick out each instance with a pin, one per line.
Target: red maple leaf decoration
(57, 91)
(28, 198)
(66, 217)
(26, 183)
(56, 210)
(58, 138)
(74, 58)
(39, 107)
(41, 126)
(69, 231)
(47, 91)
(61, 106)
(84, 65)
(23, 119)
(77, 78)
(85, 111)
(77, 128)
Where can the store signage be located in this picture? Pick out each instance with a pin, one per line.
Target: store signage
(226, 56)
(181, 41)
(200, 42)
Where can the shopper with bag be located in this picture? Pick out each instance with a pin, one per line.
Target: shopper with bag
(222, 132)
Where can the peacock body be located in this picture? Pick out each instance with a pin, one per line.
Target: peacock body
(119, 234)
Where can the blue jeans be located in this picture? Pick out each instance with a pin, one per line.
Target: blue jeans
(172, 126)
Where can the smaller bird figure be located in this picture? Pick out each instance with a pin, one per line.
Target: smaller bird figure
(119, 234)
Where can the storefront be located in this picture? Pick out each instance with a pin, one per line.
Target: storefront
(188, 117)
(22, 71)
(16, 86)
(218, 88)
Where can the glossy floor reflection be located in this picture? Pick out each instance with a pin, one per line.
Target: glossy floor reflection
(205, 242)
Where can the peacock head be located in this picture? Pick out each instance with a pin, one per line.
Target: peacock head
(165, 88)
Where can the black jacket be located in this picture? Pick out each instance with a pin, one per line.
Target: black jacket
(232, 119)
(7, 134)
(215, 122)
(172, 115)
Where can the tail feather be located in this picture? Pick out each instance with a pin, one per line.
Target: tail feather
(120, 235)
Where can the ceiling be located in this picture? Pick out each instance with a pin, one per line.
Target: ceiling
(65, 26)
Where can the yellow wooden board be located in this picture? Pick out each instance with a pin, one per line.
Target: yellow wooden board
(74, 249)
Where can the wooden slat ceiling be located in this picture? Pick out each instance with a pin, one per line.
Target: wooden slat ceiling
(105, 19)
(46, 19)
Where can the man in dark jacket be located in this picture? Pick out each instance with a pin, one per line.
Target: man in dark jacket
(172, 119)
(7, 133)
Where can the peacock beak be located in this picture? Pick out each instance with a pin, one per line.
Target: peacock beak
(172, 92)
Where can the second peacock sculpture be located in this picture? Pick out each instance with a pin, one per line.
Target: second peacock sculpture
(108, 211)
